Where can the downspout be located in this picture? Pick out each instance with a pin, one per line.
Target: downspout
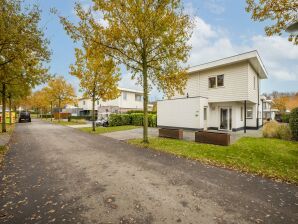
(258, 103)
(244, 116)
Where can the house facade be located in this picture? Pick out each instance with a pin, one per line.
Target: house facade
(219, 95)
(268, 112)
(128, 99)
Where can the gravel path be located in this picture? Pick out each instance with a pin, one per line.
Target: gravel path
(57, 174)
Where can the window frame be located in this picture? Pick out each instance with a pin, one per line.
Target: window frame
(247, 110)
(223, 80)
(140, 97)
(212, 77)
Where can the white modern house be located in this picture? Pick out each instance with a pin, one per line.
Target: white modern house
(268, 112)
(128, 99)
(219, 95)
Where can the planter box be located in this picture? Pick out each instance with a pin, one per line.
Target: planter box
(170, 133)
(215, 138)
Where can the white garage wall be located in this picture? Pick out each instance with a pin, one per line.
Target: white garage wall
(183, 113)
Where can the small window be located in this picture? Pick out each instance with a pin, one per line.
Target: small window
(254, 82)
(249, 113)
(84, 103)
(138, 97)
(124, 95)
(220, 80)
(241, 115)
(97, 102)
(205, 113)
(212, 82)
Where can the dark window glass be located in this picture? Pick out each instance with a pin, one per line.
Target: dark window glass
(212, 82)
(220, 80)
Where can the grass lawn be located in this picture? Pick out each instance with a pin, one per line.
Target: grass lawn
(65, 123)
(268, 157)
(3, 149)
(102, 130)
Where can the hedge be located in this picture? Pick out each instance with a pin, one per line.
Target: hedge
(139, 112)
(132, 119)
(294, 123)
(85, 117)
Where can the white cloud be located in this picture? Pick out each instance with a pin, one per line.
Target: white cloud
(279, 55)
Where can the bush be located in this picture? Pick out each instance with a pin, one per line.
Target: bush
(86, 117)
(119, 119)
(284, 132)
(285, 118)
(152, 120)
(137, 119)
(132, 119)
(294, 123)
(274, 130)
(139, 112)
(270, 129)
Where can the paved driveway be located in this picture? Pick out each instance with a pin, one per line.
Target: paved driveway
(56, 174)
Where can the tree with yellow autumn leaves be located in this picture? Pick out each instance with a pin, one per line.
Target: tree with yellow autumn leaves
(149, 37)
(282, 12)
(97, 73)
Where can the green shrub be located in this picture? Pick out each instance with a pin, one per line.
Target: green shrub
(139, 112)
(152, 120)
(137, 119)
(285, 118)
(294, 123)
(284, 132)
(115, 120)
(270, 129)
(85, 117)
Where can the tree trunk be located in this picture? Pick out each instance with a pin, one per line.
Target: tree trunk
(59, 103)
(145, 101)
(93, 112)
(51, 111)
(10, 110)
(3, 107)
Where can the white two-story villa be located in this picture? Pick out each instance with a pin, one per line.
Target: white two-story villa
(219, 95)
(128, 99)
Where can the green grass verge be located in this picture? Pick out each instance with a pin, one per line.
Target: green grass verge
(102, 130)
(268, 157)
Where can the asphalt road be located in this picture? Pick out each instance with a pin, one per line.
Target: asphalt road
(56, 174)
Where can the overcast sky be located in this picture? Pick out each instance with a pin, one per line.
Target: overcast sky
(223, 28)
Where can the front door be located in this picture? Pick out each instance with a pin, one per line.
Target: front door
(225, 119)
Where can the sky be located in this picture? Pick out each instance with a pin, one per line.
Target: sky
(222, 28)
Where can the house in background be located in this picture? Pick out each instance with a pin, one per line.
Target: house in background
(219, 95)
(268, 112)
(128, 99)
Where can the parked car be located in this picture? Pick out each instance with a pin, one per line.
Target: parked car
(24, 116)
(102, 122)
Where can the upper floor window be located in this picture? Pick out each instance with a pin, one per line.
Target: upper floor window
(254, 82)
(97, 102)
(220, 80)
(84, 102)
(138, 97)
(216, 81)
(124, 95)
(212, 82)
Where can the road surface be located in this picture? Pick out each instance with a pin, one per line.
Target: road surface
(57, 174)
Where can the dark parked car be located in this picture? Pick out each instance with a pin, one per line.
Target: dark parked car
(24, 116)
